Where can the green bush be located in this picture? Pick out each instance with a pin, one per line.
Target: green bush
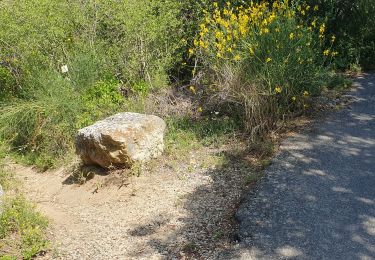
(44, 123)
(134, 40)
(100, 100)
(138, 46)
(7, 84)
(262, 60)
(353, 23)
(42, 128)
(143, 47)
(185, 134)
(105, 45)
(22, 229)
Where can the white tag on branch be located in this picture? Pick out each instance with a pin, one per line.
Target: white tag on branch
(64, 69)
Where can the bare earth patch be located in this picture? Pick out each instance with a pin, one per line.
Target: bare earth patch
(168, 211)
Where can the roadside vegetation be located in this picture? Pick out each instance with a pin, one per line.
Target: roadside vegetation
(22, 227)
(213, 70)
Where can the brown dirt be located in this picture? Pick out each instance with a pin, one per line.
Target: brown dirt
(163, 213)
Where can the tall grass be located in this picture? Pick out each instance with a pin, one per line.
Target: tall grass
(126, 45)
(262, 60)
(42, 127)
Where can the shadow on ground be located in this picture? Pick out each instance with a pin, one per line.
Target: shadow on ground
(209, 220)
(80, 174)
(317, 200)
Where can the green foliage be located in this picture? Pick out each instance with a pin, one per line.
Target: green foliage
(22, 229)
(99, 101)
(118, 52)
(105, 45)
(7, 83)
(134, 40)
(43, 124)
(185, 134)
(263, 60)
(143, 47)
(85, 69)
(42, 128)
(353, 23)
(339, 82)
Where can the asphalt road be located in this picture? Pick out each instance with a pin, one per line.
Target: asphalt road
(317, 199)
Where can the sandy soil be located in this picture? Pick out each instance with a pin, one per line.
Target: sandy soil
(163, 213)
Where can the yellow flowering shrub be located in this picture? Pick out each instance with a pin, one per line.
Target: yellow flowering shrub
(262, 57)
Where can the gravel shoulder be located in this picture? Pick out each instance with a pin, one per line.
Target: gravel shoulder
(317, 199)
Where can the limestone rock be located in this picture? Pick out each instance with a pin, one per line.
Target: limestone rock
(121, 140)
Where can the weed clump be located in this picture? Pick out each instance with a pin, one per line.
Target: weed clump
(22, 229)
(262, 60)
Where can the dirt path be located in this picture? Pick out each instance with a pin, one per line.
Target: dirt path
(160, 214)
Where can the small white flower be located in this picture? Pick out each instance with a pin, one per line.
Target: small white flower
(64, 69)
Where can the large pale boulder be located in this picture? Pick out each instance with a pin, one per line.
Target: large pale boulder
(121, 140)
